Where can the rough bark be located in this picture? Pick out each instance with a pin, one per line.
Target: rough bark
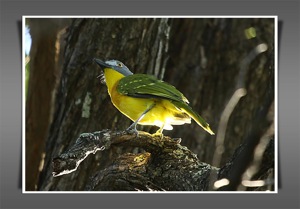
(162, 165)
(203, 58)
(81, 97)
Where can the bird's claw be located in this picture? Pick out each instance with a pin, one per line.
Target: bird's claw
(132, 130)
(158, 134)
(177, 140)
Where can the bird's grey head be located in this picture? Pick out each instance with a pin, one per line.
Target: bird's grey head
(114, 64)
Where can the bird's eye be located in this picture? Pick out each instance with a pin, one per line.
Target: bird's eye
(120, 64)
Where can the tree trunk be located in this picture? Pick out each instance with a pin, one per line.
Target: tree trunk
(206, 59)
(44, 73)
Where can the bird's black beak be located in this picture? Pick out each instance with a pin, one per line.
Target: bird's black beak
(101, 63)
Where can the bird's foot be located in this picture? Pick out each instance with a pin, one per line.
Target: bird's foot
(158, 134)
(132, 130)
(177, 140)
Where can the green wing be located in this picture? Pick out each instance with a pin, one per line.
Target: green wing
(147, 86)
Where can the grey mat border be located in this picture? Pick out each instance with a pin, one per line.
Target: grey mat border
(10, 98)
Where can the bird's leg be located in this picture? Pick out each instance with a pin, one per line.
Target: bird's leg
(159, 132)
(132, 127)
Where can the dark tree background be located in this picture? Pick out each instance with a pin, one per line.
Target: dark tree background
(206, 59)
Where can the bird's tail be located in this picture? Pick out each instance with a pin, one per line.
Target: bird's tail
(188, 110)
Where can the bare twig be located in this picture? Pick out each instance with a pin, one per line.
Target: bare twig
(235, 98)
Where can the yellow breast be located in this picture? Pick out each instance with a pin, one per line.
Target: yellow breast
(164, 113)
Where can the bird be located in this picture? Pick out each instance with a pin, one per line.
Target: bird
(146, 100)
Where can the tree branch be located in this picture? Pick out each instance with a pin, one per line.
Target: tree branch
(162, 165)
